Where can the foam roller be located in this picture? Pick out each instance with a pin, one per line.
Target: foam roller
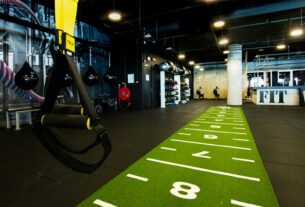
(68, 109)
(66, 121)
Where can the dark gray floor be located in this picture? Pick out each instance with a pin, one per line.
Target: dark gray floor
(30, 176)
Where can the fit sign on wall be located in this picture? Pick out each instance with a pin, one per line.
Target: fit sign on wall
(277, 97)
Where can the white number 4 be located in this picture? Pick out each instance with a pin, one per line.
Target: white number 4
(185, 190)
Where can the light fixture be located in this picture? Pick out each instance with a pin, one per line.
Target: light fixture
(181, 56)
(115, 16)
(201, 69)
(197, 66)
(223, 41)
(219, 24)
(296, 32)
(226, 60)
(226, 52)
(191, 62)
(281, 46)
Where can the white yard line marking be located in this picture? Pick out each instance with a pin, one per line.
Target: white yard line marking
(103, 203)
(237, 121)
(242, 159)
(186, 134)
(241, 128)
(213, 145)
(167, 148)
(215, 126)
(206, 122)
(137, 177)
(220, 117)
(243, 204)
(204, 170)
(222, 132)
(210, 136)
(242, 140)
(227, 114)
(194, 124)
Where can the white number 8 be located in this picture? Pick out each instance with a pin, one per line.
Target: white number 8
(185, 190)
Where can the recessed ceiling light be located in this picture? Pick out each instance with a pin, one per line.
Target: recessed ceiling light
(181, 56)
(115, 16)
(223, 41)
(226, 52)
(191, 62)
(296, 32)
(219, 24)
(197, 66)
(281, 46)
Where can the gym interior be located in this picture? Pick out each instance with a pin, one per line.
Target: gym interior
(152, 103)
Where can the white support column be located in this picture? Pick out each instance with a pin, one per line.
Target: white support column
(162, 88)
(234, 75)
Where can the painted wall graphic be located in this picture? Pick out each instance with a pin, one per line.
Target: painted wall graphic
(19, 43)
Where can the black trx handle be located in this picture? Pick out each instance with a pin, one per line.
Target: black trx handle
(54, 117)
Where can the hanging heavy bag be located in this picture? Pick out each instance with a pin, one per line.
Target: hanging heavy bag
(90, 77)
(109, 77)
(26, 78)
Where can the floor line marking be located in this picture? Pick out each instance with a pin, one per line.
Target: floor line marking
(184, 134)
(206, 122)
(242, 140)
(167, 148)
(213, 145)
(137, 177)
(219, 117)
(242, 159)
(194, 124)
(103, 203)
(237, 121)
(243, 204)
(204, 170)
(228, 114)
(241, 128)
(222, 132)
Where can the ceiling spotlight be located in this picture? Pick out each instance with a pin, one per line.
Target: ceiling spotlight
(226, 52)
(223, 41)
(197, 66)
(181, 56)
(191, 62)
(226, 60)
(296, 32)
(201, 69)
(115, 16)
(219, 24)
(281, 46)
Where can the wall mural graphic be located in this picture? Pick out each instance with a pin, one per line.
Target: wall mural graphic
(18, 43)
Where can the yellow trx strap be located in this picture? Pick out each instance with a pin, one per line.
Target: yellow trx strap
(65, 15)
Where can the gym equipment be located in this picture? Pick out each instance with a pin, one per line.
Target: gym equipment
(124, 96)
(90, 77)
(7, 77)
(110, 77)
(54, 120)
(26, 78)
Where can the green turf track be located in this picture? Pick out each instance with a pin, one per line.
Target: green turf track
(220, 180)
